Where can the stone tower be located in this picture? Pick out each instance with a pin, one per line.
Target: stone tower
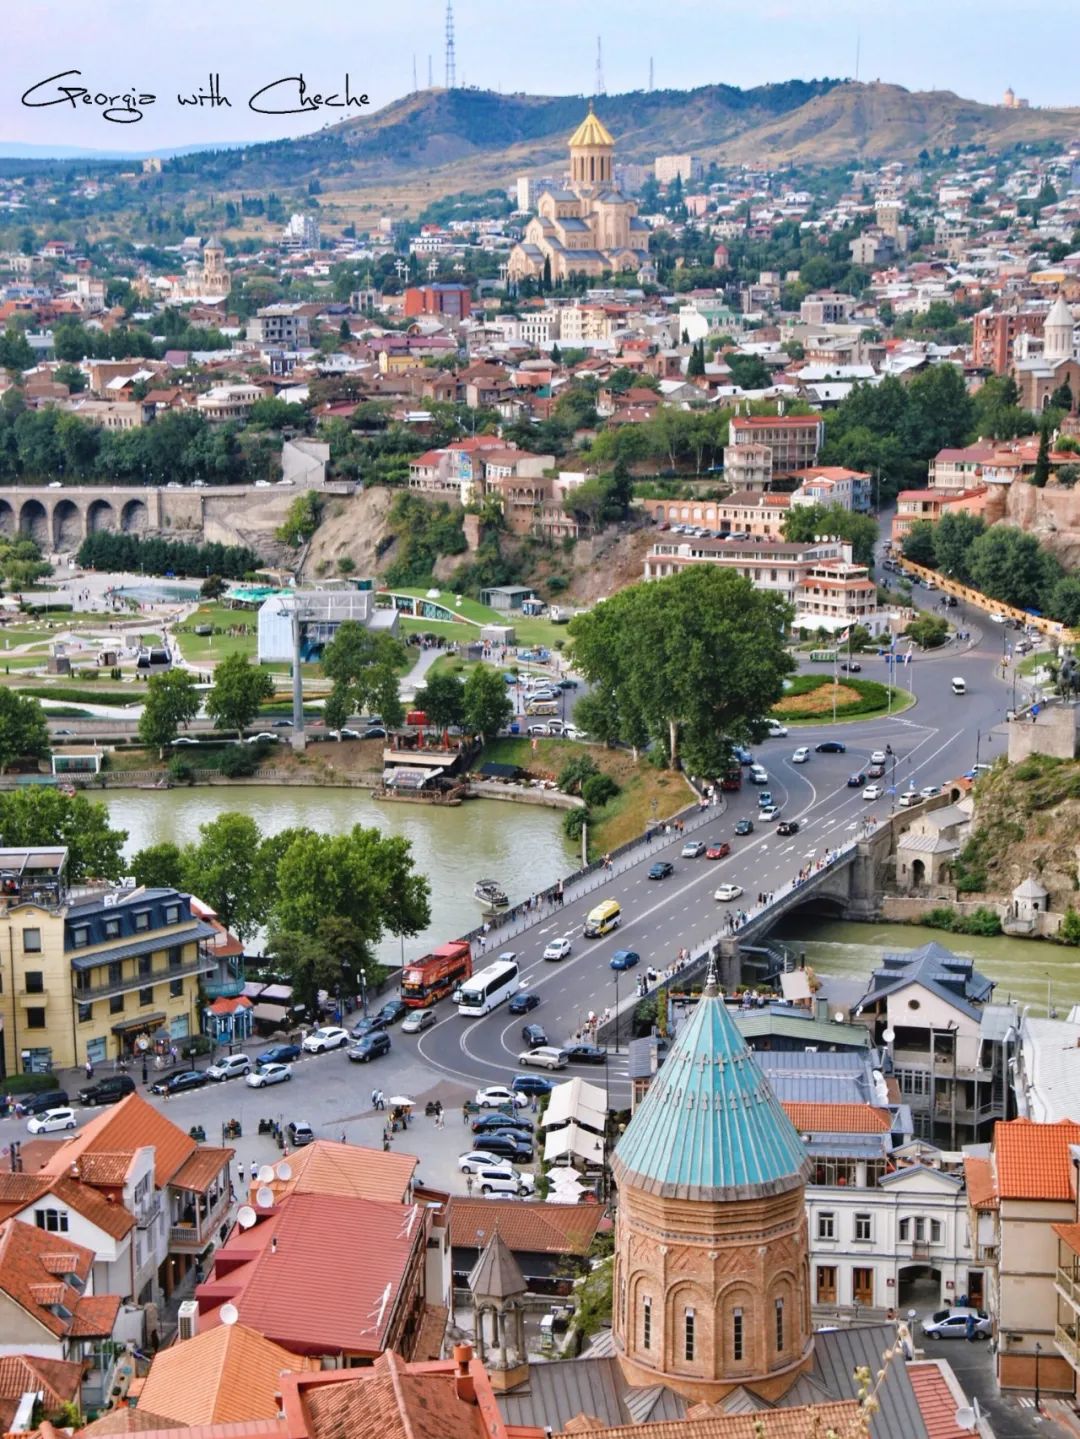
(711, 1278)
(592, 157)
(497, 1286)
(1058, 332)
(215, 278)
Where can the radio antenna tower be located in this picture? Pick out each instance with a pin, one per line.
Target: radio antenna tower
(430, 82)
(414, 84)
(600, 90)
(650, 74)
(451, 64)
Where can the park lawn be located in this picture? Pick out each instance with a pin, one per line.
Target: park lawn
(1035, 661)
(647, 793)
(529, 630)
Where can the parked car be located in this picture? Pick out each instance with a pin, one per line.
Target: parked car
(953, 1324)
(278, 1054)
(930, 791)
(42, 1101)
(693, 849)
(228, 1067)
(801, 755)
(526, 1085)
(787, 827)
(558, 948)
(370, 1047)
(524, 1001)
(776, 730)
(534, 1035)
(269, 1074)
(391, 1012)
(473, 1160)
(178, 739)
(508, 1146)
(718, 849)
(264, 735)
(300, 1133)
(831, 746)
(909, 798)
(502, 1124)
(505, 1180)
(374, 731)
(52, 1120)
(179, 1083)
(544, 1056)
(106, 1091)
(624, 959)
(497, 1094)
(661, 869)
(586, 1054)
(728, 892)
(856, 780)
(744, 826)
(326, 1037)
(418, 1021)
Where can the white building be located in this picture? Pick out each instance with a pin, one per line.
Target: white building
(321, 613)
(301, 233)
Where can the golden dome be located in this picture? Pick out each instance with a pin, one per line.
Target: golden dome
(590, 132)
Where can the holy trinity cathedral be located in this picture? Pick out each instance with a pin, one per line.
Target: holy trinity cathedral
(589, 228)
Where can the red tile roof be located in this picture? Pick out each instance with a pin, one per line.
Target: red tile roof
(28, 1270)
(327, 1167)
(132, 1124)
(60, 1379)
(936, 1401)
(1069, 1234)
(200, 1169)
(979, 1174)
(526, 1228)
(801, 1423)
(1031, 1161)
(95, 1316)
(224, 1374)
(816, 1118)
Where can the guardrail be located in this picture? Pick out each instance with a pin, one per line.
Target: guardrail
(1053, 629)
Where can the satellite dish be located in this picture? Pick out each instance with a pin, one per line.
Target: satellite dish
(266, 1174)
(966, 1418)
(229, 1314)
(264, 1197)
(889, 1035)
(838, 1017)
(284, 1170)
(246, 1216)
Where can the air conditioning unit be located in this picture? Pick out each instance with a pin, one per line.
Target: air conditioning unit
(188, 1319)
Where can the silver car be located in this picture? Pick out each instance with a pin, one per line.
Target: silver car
(418, 1021)
(955, 1324)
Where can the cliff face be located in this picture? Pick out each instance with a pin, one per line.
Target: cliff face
(1052, 514)
(1027, 822)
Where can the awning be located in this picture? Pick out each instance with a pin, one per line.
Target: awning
(276, 994)
(576, 1100)
(573, 1142)
(141, 1021)
(271, 1013)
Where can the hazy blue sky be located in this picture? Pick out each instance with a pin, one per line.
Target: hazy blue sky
(975, 47)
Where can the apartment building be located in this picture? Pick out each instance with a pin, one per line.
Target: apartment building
(285, 326)
(914, 506)
(995, 332)
(667, 168)
(793, 439)
(743, 512)
(835, 593)
(91, 974)
(439, 298)
(222, 403)
(826, 308)
(835, 485)
(748, 467)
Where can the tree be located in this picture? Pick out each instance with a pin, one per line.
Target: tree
(695, 661)
(238, 690)
(953, 536)
(159, 866)
(749, 372)
(696, 365)
(172, 700)
(41, 816)
(442, 699)
(1041, 473)
(302, 519)
(225, 869)
(367, 666)
(338, 709)
(1012, 566)
(928, 631)
(24, 733)
(1062, 398)
(918, 544)
(486, 705)
(1063, 602)
(803, 522)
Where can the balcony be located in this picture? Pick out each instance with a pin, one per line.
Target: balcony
(223, 988)
(194, 1236)
(1067, 1284)
(86, 994)
(1067, 1345)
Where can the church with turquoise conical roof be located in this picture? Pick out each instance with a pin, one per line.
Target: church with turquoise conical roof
(711, 1276)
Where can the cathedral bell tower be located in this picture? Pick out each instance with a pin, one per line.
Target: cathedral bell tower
(592, 157)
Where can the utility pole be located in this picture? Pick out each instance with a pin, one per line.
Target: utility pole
(430, 81)
(650, 74)
(414, 84)
(451, 61)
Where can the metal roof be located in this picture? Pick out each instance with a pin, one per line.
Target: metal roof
(951, 977)
(839, 1353)
(108, 953)
(496, 1274)
(710, 1126)
(556, 1393)
(757, 1023)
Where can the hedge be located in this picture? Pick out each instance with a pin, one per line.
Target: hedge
(873, 696)
(30, 1083)
(73, 695)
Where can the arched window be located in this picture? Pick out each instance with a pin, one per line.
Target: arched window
(779, 1326)
(738, 1336)
(646, 1323)
(688, 1335)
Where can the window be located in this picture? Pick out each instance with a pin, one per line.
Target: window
(116, 1004)
(646, 1323)
(780, 1326)
(914, 1082)
(736, 1334)
(80, 936)
(172, 914)
(54, 1220)
(86, 1011)
(112, 928)
(826, 1225)
(905, 1230)
(31, 941)
(935, 1231)
(688, 1335)
(35, 1019)
(176, 988)
(826, 1284)
(864, 1226)
(146, 964)
(35, 981)
(862, 1285)
(141, 919)
(146, 996)
(116, 972)
(176, 956)
(83, 979)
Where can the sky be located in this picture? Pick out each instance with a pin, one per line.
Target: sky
(974, 47)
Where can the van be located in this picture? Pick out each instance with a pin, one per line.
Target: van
(541, 707)
(504, 1179)
(759, 774)
(228, 1066)
(958, 686)
(603, 919)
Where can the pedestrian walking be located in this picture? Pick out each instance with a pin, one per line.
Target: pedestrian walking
(469, 1182)
(254, 1171)
(465, 1113)
(374, 1099)
(89, 1067)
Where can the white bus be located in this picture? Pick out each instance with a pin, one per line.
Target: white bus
(488, 987)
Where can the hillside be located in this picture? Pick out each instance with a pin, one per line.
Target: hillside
(446, 141)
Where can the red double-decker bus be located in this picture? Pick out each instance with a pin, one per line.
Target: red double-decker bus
(428, 979)
(732, 780)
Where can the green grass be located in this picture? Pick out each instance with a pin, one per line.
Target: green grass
(91, 695)
(528, 629)
(1030, 663)
(873, 700)
(197, 649)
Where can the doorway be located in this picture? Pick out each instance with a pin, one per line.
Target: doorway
(919, 1287)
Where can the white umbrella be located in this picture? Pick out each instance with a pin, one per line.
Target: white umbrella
(400, 1101)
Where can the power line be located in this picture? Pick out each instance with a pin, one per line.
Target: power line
(600, 90)
(451, 61)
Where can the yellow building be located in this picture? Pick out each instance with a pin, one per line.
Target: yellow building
(590, 228)
(93, 974)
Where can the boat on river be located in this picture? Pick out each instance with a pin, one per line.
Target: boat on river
(490, 895)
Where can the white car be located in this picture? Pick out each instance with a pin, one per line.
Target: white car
(269, 1074)
(778, 731)
(878, 757)
(264, 735)
(545, 1056)
(538, 729)
(558, 948)
(496, 1095)
(475, 1160)
(728, 892)
(998, 618)
(801, 755)
(259, 484)
(769, 812)
(571, 731)
(908, 798)
(418, 1021)
(50, 1120)
(929, 791)
(326, 1037)
(872, 791)
(228, 1066)
(185, 739)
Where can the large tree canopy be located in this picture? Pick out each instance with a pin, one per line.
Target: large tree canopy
(692, 662)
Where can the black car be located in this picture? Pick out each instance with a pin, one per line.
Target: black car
(374, 732)
(107, 1091)
(661, 869)
(507, 1146)
(831, 746)
(39, 1103)
(523, 1001)
(180, 1083)
(391, 1012)
(853, 667)
(586, 1054)
(786, 827)
(534, 1036)
(745, 826)
(856, 780)
(370, 1047)
(502, 1124)
(364, 1026)
(532, 1084)
(278, 1054)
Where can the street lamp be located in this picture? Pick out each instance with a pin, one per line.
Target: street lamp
(616, 974)
(1038, 1353)
(363, 991)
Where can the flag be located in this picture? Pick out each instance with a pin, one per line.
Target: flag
(843, 639)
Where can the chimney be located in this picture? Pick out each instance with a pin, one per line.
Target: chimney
(464, 1387)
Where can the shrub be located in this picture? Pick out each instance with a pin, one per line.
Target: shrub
(30, 1083)
(598, 789)
(179, 770)
(1069, 933)
(576, 772)
(574, 821)
(239, 762)
(197, 1044)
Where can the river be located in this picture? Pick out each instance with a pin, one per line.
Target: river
(520, 845)
(1029, 971)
